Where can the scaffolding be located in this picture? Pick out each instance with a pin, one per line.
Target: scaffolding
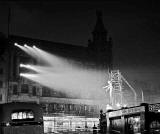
(114, 87)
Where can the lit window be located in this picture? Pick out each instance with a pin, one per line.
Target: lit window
(22, 115)
(14, 116)
(30, 115)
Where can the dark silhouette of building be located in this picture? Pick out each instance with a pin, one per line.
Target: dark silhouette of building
(100, 48)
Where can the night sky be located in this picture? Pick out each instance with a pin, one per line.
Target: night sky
(134, 27)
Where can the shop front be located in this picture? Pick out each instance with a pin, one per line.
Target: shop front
(144, 119)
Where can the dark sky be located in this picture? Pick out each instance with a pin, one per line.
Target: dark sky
(134, 27)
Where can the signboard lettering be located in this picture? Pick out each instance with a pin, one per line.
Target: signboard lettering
(115, 113)
(127, 111)
(154, 107)
(133, 110)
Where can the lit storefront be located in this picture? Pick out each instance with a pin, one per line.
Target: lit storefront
(68, 123)
(135, 120)
(63, 117)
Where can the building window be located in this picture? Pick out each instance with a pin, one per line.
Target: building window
(1, 84)
(15, 90)
(55, 106)
(34, 91)
(24, 88)
(1, 71)
(46, 92)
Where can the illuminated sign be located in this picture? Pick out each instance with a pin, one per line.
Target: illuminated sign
(127, 111)
(20, 115)
(154, 107)
(133, 110)
(115, 113)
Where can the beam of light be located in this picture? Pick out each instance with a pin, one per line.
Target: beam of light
(83, 84)
(25, 45)
(37, 54)
(38, 69)
(31, 67)
(64, 75)
(26, 66)
(50, 59)
(57, 61)
(42, 69)
(16, 44)
(34, 47)
(21, 47)
(31, 51)
(22, 65)
(28, 75)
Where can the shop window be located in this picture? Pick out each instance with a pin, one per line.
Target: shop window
(134, 124)
(154, 126)
(1, 84)
(116, 125)
(15, 90)
(24, 88)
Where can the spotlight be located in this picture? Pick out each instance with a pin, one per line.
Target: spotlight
(27, 75)
(16, 44)
(25, 45)
(34, 46)
(21, 65)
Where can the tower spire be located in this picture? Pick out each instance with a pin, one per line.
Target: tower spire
(99, 32)
(100, 47)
